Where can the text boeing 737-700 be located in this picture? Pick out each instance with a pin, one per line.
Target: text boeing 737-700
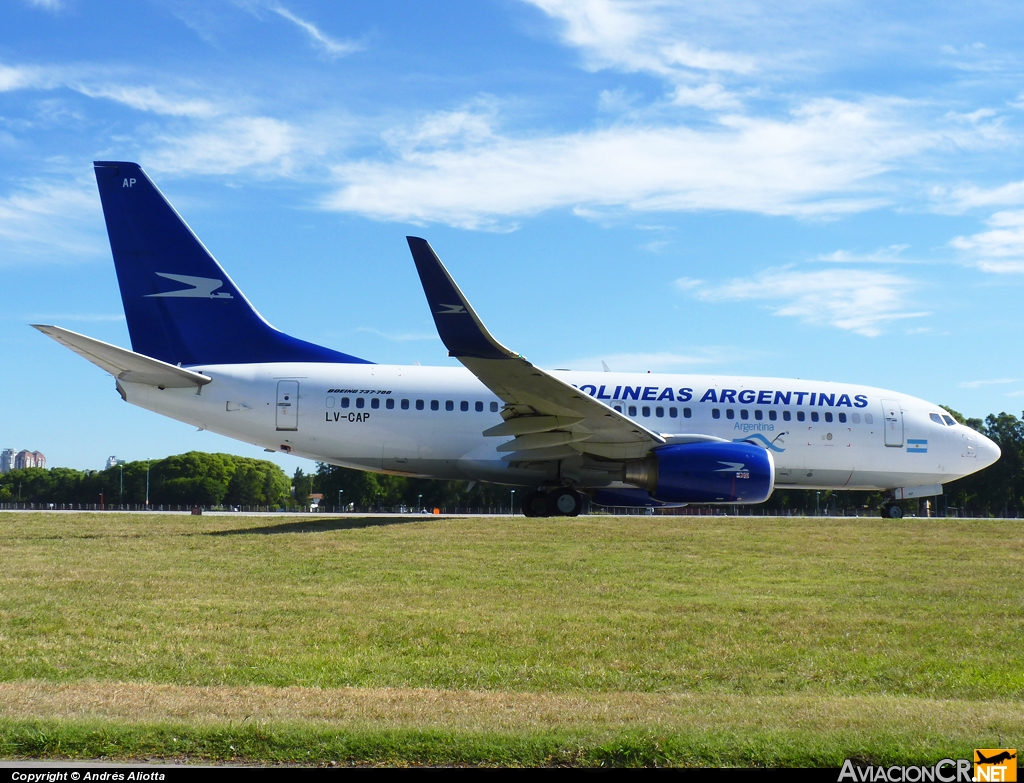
(203, 355)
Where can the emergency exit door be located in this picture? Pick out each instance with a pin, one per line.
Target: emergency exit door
(287, 405)
(893, 414)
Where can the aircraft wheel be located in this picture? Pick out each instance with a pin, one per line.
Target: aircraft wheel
(892, 511)
(564, 502)
(535, 505)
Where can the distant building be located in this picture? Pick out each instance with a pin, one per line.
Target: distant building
(6, 460)
(29, 459)
(113, 462)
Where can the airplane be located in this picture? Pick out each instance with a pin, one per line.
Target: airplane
(998, 757)
(202, 354)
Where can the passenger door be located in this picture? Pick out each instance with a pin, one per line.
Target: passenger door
(893, 415)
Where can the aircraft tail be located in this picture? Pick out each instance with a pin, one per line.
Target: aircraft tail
(181, 306)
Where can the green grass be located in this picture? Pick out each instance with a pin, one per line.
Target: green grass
(644, 617)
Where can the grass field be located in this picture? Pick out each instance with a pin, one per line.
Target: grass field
(595, 640)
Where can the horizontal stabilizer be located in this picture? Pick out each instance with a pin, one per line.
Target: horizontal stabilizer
(125, 365)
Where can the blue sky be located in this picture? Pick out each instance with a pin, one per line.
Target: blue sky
(831, 190)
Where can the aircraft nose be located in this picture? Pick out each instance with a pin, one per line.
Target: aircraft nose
(988, 452)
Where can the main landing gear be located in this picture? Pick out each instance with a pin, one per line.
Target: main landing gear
(560, 502)
(891, 510)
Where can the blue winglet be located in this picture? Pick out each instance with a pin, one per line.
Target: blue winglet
(180, 305)
(461, 330)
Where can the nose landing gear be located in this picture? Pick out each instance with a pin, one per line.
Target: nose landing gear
(560, 502)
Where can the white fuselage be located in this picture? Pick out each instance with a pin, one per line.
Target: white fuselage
(427, 421)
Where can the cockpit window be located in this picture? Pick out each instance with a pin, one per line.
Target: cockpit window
(949, 419)
(935, 417)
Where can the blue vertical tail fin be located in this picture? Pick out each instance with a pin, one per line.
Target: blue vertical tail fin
(181, 306)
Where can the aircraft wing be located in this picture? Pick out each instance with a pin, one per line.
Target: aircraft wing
(549, 418)
(123, 364)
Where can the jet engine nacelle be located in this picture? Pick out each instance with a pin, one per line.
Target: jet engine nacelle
(705, 473)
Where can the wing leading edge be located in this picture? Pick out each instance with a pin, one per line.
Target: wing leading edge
(548, 418)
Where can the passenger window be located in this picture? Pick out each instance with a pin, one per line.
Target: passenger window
(759, 414)
(773, 415)
(949, 419)
(360, 402)
(687, 413)
(673, 413)
(389, 403)
(419, 405)
(715, 413)
(405, 405)
(869, 419)
(344, 402)
(330, 402)
(659, 412)
(800, 416)
(744, 414)
(632, 410)
(814, 415)
(730, 413)
(449, 405)
(842, 418)
(479, 406)
(646, 411)
(494, 407)
(786, 415)
(828, 416)
(936, 418)
(375, 402)
(856, 418)
(435, 405)
(618, 408)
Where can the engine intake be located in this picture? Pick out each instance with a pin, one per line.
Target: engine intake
(705, 473)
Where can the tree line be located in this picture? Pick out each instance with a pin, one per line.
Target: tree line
(195, 478)
(212, 480)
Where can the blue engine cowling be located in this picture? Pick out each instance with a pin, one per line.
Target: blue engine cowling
(706, 473)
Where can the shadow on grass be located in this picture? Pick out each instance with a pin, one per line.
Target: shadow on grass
(324, 525)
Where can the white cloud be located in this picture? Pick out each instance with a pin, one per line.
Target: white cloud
(93, 83)
(883, 255)
(967, 197)
(23, 77)
(48, 5)
(688, 283)
(999, 250)
(979, 384)
(456, 168)
(709, 96)
(330, 46)
(861, 301)
(636, 36)
(50, 222)
(1001, 267)
(229, 146)
(149, 99)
